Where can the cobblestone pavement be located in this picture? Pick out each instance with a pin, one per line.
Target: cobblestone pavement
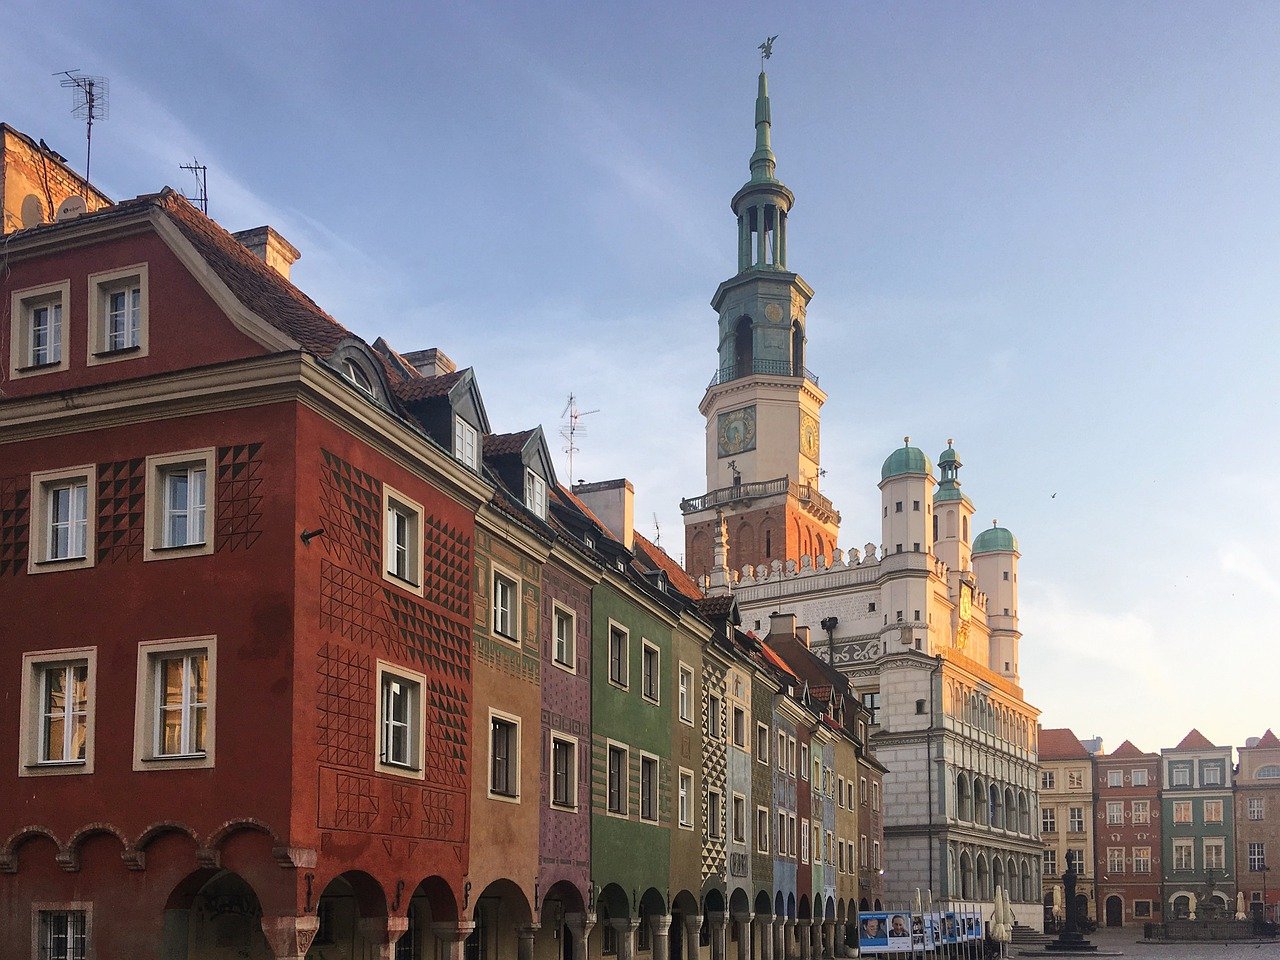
(1127, 939)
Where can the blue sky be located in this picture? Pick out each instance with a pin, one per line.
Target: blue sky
(1050, 231)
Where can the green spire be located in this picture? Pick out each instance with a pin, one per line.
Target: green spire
(763, 161)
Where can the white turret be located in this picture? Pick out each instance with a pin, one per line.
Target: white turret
(995, 561)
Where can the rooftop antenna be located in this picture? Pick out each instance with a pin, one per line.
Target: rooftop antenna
(657, 527)
(90, 102)
(201, 172)
(572, 427)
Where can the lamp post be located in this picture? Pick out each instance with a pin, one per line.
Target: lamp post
(1264, 870)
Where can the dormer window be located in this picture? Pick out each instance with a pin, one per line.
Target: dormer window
(355, 373)
(589, 540)
(535, 493)
(118, 315)
(466, 443)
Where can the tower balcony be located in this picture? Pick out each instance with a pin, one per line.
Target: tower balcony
(735, 493)
(768, 368)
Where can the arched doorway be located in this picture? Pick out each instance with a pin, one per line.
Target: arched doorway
(347, 899)
(432, 902)
(562, 907)
(1115, 912)
(214, 913)
(1181, 906)
(500, 910)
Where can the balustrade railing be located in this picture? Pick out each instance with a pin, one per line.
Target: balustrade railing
(769, 368)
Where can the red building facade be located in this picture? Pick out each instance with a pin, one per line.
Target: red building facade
(1127, 836)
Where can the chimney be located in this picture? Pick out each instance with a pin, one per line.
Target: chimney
(613, 501)
(271, 248)
(803, 634)
(782, 625)
(431, 363)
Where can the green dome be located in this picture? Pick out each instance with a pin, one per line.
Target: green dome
(995, 540)
(950, 491)
(948, 455)
(906, 459)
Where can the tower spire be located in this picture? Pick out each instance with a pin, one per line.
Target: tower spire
(763, 162)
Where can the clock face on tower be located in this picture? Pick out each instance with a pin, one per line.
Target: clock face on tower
(966, 601)
(736, 430)
(809, 436)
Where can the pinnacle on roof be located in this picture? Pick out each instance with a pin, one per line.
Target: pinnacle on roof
(763, 162)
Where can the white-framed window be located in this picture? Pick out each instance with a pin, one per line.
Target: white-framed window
(1138, 778)
(1213, 811)
(840, 848)
(840, 792)
(715, 728)
(619, 646)
(862, 790)
(504, 756)
(1048, 820)
(402, 536)
(762, 743)
(180, 504)
(57, 711)
(1075, 779)
(782, 751)
(650, 671)
(176, 703)
(62, 527)
(782, 834)
(1180, 775)
(1050, 863)
(38, 334)
(648, 787)
(1075, 819)
(1115, 859)
(62, 931)
(1257, 856)
(1141, 810)
(616, 780)
(535, 493)
(862, 850)
(1183, 854)
(1141, 859)
(506, 606)
(739, 818)
(1182, 811)
(466, 443)
(715, 814)
(875, 795)
(791, 756)
(400, 726)
(1141, 909)
(684, 804)
(739, 728)
(791, 834)
(564, 645)
(1077, 856)
(1255, 808)
(831, 848)
(1115, 812)
(685, 694)
(810, 840)
(358, 377)
(804, 765)
(564, 771)
(1047, 780)
(118, 314)
(875, 845)
(1211, 774)
(1215, 854)
(1115, 778)
(762, 829)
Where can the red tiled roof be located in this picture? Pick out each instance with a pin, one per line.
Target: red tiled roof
(1059, 743)
(1195, 740)
(718, 606)
(501, 444)
(777, 661)
(684, 583)
(573, 498)
(424, 388)
(1268, 739)
(1126, 750)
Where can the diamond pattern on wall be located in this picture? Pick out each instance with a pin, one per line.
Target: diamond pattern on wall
(446, 567)
(240, 481)
(714, 764)
(357, 807)
(351, 508)
(121, 509)
(345, 701)
(15, 523)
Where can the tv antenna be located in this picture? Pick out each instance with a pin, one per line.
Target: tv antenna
(90, 102)
(572, 428)
(201, 172)
(657, 529)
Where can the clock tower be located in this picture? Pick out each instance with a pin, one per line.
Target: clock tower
(762, 405)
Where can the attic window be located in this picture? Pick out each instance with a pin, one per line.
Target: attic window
(355, 373)
(535, 493)
(589, 540)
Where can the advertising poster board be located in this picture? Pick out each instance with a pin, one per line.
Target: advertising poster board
(892, 931)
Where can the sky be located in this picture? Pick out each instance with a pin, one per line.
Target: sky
(1048, 231)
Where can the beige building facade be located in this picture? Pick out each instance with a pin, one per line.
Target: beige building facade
(1066, 815)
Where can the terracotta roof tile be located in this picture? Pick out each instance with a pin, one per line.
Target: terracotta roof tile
(682, 582)
(1195, 740)
(776, 661)
(1127, 750)
(501, 444)
(1269, 739)
(425, 388)
(718, 606)
(1059, 743)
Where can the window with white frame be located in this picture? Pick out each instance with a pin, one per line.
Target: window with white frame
(715, 814)
(504, 756)
(650, 661)
(1211, 774)
(1141, 859)
(791, 756)
(840, 849)
(118, 305)
(466, 443)
(831, 848)
(505, 606)
(180, 504)
(1075, 819)
(57, 706)
(1115, 778)
(804, 763)
(619, 642)
(62, 934)
(782, 834)
(38, 336)
(875, 848)
(1115, 812)
(791, 833)
(61, 526)
(1141, 908)
(862, 850)
(1141, 810)
(648, 788)
(871, 700)
(1048, 820)
(564, 642)
(1213, 811)
(175, 703)
(1254, 808)
(762, 743)
(739, 818)
(535, 493)
(1075, 779)
(875, 795)
(1182, 811)
(400, 713)
(1257, 856)
(1215, 854)
(862, 790)
(782, 750)
(1180, 775)
(714, 723)
(739, 727)
(685, 694)
(356, 374)
(403, 536)
(1115, 859)
(1183, 854)
(1047, 780)
(1050, 862)
(564, 771)
(762, 829)
(809, 840)
(840, 792)
(616, 785)
(685, 799)
(1138, 778)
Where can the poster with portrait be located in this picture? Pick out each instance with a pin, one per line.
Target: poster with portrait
(891, 932)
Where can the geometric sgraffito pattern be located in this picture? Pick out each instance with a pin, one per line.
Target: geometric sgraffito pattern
(390, 806)
(714, 762)
(351, 604)
(240, 482)
(351, 508)
(345, 692)
(446, 567)
(357, 806)
(121, 505)
(15, 523)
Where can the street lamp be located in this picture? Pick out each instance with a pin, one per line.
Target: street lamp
(1264, 870)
